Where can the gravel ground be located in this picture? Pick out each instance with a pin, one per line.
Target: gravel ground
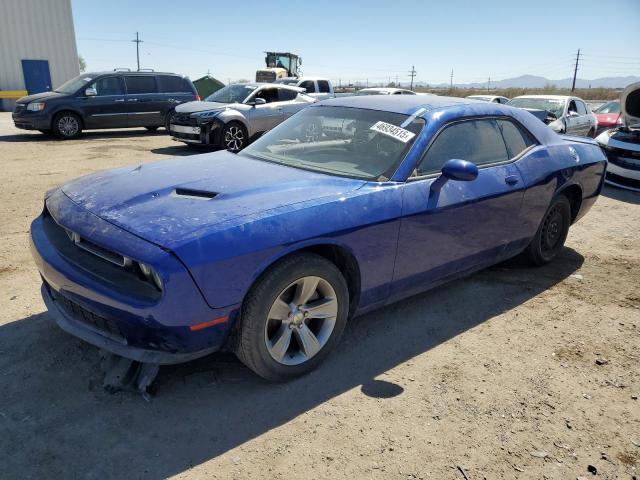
(514, 372)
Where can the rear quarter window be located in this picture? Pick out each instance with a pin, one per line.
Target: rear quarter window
(515, 137)
(285, 95)
(173, 84)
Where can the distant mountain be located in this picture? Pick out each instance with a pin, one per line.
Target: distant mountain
(533, 81)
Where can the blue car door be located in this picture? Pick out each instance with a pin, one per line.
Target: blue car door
(451, 227)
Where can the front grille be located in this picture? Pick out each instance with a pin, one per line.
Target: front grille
(184, 119)
(125, 279)
(624, 181)
(96, 322)
(623, 158)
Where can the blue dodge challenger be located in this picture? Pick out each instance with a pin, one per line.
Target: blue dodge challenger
(349, 205)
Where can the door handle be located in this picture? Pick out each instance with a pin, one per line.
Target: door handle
(511, 179)
(119, 100)
(132, 100)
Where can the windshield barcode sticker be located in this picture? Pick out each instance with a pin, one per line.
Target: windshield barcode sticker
(392, 131)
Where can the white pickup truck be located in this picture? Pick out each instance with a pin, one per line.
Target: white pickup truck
(320, 88)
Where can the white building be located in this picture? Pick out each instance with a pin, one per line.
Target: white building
(37, 47)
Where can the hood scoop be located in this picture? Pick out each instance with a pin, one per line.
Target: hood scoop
(194, 194)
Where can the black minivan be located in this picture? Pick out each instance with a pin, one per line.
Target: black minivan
(118, 99)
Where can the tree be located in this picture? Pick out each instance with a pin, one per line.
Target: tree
(81, 63)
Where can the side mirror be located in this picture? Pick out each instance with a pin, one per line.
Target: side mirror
(461, 170)
(573, 114)
(90, 92)
(257, 101)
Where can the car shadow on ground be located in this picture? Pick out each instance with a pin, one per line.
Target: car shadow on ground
(179, 150)
(57, 421)
(34, 136)
(620, 194)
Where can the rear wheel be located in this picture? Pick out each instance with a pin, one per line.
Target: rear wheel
(292, 317)
(552, 232)
(67, 125)
(234, 137)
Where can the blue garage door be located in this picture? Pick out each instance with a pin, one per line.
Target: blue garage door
(36, 76)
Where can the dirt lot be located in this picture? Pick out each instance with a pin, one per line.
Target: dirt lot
(512, 373)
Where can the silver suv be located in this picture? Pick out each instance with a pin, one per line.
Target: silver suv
(237, 114)
(564, 114)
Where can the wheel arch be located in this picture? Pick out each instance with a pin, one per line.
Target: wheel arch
(573, 192)
(338, 254)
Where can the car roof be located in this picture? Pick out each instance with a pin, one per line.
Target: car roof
(553, 97)
(127, 72)
(405, 104)
(301, 79)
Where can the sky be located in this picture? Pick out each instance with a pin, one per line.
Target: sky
(357, 41)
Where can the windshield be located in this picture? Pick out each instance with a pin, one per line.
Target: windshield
(350, 142)
(231, 94)
(611, 107)
(372, 92)
(75, 84)
(553, 105)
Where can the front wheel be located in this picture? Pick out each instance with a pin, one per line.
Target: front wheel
(234, 137)
(552, 233)
(292, 317)
(67, 125)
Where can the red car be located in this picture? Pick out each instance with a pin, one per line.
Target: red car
(608, 116)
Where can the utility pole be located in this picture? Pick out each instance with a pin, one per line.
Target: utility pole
(397, 85)
(137, 41)
(575, 71)
(489, 84)
(412, 74)
(451, 85)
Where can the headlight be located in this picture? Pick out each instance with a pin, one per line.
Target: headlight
(36, 106)
(151, 275)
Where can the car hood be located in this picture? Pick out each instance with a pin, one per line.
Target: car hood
(41, 96)
(630, 106)
(192, 107)
(170, 202)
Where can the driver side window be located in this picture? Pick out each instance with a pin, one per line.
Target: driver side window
(572, 107)
(108, 86)
(478, 141)
(268, 94)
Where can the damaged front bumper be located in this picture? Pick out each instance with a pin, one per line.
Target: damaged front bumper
(97, 302)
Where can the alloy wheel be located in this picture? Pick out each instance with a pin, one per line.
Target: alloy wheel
(234, 138)
(68, 126)
(301, 320)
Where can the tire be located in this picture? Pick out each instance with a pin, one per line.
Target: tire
(152, 129)
(552, 233)
(67, 125)
(233, 137)
(167, 120)
(268, 317)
